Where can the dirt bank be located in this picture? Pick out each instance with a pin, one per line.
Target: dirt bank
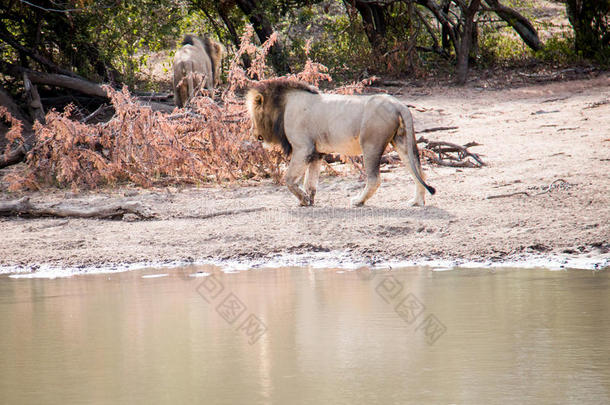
(533, 137)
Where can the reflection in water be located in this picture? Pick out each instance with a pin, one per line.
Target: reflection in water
(327, 337)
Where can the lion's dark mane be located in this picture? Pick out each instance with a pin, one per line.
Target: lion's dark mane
(274, 105)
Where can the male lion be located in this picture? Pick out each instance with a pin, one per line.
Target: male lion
(197, 61)
(308, 124)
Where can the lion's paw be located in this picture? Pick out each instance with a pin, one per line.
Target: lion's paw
(415, 202)
(306, 202)
(356, 202)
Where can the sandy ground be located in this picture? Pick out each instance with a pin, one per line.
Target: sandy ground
(531, 136)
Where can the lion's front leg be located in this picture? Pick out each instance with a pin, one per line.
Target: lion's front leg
(296, 168)
(311, 179)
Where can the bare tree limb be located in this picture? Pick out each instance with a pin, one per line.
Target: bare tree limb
(524, 28)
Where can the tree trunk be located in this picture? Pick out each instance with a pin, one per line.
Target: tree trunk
(443, 18)
(263, 30)
(373, 18)
(446, 29)
(589, 18)
(233, 33)
(463, 50)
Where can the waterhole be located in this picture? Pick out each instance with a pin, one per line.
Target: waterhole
(307, 336)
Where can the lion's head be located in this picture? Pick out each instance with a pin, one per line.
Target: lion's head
(266, 105)
(262, 127)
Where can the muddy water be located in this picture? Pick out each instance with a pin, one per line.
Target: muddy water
(298, 336)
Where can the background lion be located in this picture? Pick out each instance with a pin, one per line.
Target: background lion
(308, 124)
(198, 60)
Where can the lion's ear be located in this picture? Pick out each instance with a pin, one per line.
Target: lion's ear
(258, 100)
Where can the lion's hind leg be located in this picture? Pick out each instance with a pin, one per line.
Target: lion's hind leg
(311, 177)
(418, 199)
(372, 159)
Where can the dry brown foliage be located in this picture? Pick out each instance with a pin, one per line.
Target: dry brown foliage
(14, 134)
(208, 143)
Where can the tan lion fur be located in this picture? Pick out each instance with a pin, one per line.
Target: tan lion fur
(308, 124)
(197, 61)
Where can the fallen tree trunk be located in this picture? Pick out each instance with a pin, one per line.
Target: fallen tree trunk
(73, 83)
(24, 208)
(12, 157)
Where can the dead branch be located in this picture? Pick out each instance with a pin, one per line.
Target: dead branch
(490, 197)
(222, 213)
(153, 96)
(329, 169)
(100, 110)
(436, 129)
(449, 163)
(557, 183)
(24, 208)
(597, 104)
(450, 154)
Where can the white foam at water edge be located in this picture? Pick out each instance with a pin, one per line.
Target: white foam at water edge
(51, 272)
(320, 260)
(155, 275)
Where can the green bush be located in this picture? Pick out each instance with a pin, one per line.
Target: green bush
(559, 49)
(502, 46)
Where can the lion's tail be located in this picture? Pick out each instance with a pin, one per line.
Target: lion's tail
(405, 139)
